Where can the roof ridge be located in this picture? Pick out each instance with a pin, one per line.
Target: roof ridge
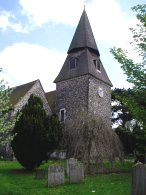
(20, 90)
(27, 83)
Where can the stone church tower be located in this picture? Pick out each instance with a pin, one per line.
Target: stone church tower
(82, 84)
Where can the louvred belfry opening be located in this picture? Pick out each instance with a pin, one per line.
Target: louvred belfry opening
(82, 55)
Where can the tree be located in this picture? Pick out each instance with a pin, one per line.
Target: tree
(136, 74)
(29, 143)
(6, 123)
(87, 138)
(36, 134)
(123, 119)
(53, 132)
(120, 112)
(129, 129)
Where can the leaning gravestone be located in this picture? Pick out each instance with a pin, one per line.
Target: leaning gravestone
(70, 161)
(76, 173)
(139, 179)
(55, 175)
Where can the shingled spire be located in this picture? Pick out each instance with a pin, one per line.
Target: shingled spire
(83, 55)
(83, 37)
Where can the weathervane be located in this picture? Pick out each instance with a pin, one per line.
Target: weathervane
(85, 1)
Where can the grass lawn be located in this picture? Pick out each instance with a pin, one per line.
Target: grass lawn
(14, 180)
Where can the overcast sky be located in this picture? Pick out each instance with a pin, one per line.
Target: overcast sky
(35, 36)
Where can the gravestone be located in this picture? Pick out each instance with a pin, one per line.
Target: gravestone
(76, 173)
(139, 179)
(41, 173)
(70, 161)
(56, 175)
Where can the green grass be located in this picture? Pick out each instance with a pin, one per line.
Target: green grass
(124, 166)
(14, 180)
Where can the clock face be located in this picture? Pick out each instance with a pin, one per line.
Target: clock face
(100, 92)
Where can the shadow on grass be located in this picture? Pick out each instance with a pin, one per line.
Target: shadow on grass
(21, 171)
(17, 171)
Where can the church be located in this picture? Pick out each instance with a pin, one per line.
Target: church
(82, 85)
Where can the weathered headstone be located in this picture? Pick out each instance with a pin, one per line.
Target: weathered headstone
(76, 173)
(41, 173)
(70, 161)
(56, 175)
(139, 179)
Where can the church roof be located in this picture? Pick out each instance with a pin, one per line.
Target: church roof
(83, 36)
(51, 98)
(85, 65)
(83, 55)
(19, 91)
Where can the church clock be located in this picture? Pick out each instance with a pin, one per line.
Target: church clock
(100, 92)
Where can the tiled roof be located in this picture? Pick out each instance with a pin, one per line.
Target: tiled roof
(20, 91)
(51, 98)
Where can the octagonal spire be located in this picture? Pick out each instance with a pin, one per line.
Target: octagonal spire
(83, 37)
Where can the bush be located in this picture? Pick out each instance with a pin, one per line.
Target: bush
(29, 144)
(36, 134)
(53, 132)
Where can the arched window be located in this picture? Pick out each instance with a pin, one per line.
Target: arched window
(62, 115)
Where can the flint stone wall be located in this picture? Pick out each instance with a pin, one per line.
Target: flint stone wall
(99, 106)
(39, 92)
(72, 95)
(80, 95)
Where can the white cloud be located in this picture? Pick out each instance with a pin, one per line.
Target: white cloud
(42, 11)
(24, 62)
(109, 23)
(7, 21)
(4, 20)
